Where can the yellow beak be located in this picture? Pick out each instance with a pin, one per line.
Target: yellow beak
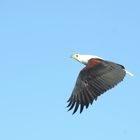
(73, 56)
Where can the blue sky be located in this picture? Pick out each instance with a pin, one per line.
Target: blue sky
(37, 74)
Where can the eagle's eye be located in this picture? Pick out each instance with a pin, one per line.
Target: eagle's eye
(76, 55)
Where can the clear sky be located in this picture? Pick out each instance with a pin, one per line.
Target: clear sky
(37, 74)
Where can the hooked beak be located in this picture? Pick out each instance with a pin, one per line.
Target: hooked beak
(73, 56)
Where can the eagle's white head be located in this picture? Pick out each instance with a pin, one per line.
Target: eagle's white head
(84, 58)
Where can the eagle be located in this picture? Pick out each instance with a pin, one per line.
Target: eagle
(97, 77)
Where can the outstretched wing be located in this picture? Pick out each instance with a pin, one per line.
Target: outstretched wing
(96, 78)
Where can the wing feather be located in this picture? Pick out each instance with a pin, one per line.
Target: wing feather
(94, 81)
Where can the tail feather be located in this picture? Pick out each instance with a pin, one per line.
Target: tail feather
(129, 73)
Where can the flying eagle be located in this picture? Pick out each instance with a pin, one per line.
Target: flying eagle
(94, 79)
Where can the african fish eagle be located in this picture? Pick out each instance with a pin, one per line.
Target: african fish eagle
(94, 79)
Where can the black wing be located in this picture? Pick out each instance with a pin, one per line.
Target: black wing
(94, 81)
